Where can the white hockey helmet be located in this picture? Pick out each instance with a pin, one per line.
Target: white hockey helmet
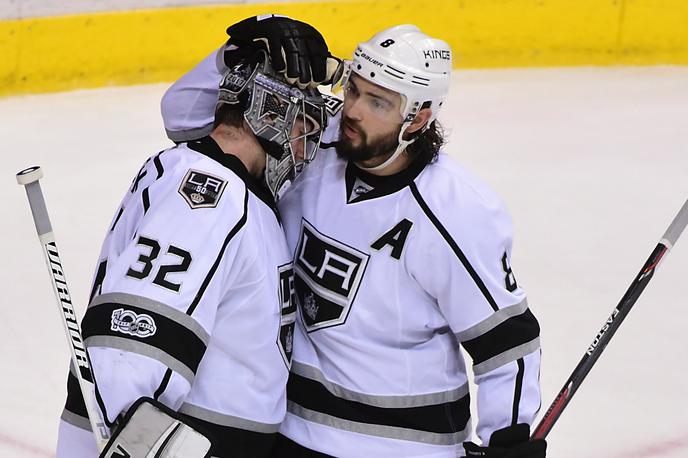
(405, 60)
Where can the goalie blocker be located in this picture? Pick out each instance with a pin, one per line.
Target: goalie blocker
(150, 429)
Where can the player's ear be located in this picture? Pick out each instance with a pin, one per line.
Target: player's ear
(419, 121)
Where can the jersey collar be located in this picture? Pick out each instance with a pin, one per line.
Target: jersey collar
(208, 147)
(361, 185)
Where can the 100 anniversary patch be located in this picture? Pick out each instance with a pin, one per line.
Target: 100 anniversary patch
(201, 190)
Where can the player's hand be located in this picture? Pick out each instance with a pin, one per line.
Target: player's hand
(511, 442)
(296, 49)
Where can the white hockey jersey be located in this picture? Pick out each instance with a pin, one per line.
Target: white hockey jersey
(192, 303)
(393, 275)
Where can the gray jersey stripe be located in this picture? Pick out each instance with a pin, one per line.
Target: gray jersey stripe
(494, 320)
(222, 419)
(144, 349)
(156, 307)
(507, 357)
(390, 432)
(75, 420)
(387, 401)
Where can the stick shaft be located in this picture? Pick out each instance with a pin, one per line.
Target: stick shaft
(612, 324)
(79, 356)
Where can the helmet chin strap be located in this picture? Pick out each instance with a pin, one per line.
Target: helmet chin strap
(400, 149)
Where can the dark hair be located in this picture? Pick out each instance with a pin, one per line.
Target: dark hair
(427, 144)
(231, 115)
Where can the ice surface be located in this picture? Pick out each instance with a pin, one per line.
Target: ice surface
(593, 164)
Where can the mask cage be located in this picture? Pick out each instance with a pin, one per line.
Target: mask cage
(290, 123)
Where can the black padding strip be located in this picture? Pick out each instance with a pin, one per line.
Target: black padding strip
(449, 417)
(515, 331)
(170, 336)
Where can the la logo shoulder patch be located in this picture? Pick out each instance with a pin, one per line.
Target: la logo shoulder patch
(201, 190)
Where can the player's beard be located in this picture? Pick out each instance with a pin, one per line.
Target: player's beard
(365, 150)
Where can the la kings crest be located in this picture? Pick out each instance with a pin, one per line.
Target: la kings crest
(328, 275)
(201, 190)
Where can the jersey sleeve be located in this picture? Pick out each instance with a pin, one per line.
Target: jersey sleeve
(488, 312)
(188, 106)
(165, 266)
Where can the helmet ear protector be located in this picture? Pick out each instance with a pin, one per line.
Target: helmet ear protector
(287, 121)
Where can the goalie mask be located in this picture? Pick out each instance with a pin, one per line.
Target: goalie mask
(287, 121)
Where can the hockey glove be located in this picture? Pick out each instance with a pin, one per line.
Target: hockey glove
(296, 49)
(511, 442)
(152, 430)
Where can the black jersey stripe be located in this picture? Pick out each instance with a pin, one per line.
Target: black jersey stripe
(119, 215)
(312, 373)
(146, 200)
(443, 418)
(515, 331)
(145, 195)
(75, 404)
(230, 236)
(156, 307)
(518, 388)
(75, 412)
(98, 280)
(101, 406)
(158, 165)
(163, 384)
(75, 401)
(454, 246)
(174, 344)
(139, 176)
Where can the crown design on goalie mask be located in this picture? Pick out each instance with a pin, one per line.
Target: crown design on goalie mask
(272, 109)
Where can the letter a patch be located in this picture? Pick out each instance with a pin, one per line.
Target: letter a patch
(395, 237)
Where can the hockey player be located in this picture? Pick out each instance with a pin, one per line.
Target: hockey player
(401, 257)
(192, 303)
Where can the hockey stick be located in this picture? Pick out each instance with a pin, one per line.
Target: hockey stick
(612, 324)
(29, 179)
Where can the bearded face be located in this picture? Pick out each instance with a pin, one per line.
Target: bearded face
(357, 146)
(371, 122)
